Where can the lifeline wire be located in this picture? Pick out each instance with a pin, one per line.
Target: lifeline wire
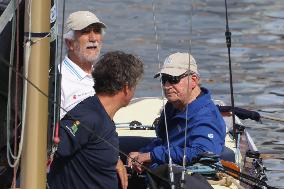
(189, 80)
(163, 95)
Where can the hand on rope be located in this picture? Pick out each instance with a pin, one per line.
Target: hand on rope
(137, 159)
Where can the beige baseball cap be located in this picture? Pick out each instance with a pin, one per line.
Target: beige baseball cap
(177, 64)
(80, 20)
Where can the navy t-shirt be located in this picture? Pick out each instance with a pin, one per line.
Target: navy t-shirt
(84, 159)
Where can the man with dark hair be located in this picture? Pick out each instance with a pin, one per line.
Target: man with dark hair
(87, 155)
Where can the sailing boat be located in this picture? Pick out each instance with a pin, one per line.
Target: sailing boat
(137, 121)
(149, 102)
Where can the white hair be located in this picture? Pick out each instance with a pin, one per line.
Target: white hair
(69, 35)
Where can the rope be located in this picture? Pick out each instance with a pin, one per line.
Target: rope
(225, 180)
(189, 78)
(16, 99)
(11, 64)
(272, 118)
(163, 95)
(9, 151)
(247, 179)
(7, 15)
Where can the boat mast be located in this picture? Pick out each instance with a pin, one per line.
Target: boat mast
(33, 163)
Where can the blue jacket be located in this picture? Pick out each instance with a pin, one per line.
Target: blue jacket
(206, 131)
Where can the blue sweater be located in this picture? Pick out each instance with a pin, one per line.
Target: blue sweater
(206, 131)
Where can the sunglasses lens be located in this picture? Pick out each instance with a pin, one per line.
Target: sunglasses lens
(170, 79)
(164, 79)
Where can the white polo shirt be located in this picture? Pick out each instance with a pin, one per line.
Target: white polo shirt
(76, 85)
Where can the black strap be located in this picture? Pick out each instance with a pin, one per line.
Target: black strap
(241, 113)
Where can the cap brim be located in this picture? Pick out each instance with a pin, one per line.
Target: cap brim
(170, 71)
(157, 75)
(99, 23)
(83, 26)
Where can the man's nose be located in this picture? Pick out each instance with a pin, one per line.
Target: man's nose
(166, 85)
(92, 36)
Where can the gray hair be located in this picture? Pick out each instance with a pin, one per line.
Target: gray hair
(69, 35)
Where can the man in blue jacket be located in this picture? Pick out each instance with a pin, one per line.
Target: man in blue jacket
(189, 107)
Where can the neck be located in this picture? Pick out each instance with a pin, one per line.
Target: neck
(193, 95)
(111, 103)
(84, 65)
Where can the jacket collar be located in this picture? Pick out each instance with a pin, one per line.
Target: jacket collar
(196, 105)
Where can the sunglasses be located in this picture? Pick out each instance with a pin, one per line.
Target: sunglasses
(94, 27)
(172, 79)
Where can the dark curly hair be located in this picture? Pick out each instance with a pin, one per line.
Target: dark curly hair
(116, 69)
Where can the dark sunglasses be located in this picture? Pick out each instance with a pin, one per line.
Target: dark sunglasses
(172, 79)
(96, 28)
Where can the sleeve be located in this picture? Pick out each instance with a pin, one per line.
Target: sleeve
(73, 136)
(204, 137)
(155, 142)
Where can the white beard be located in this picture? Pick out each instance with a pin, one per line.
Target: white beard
(79, 52)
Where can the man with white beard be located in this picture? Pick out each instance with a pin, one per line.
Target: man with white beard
(83, 38)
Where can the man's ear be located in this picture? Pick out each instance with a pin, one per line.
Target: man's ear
(125, 90)
(69, 44)
(195, 80)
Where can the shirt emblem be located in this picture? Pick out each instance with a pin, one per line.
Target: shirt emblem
(74, 128)
(210, 135)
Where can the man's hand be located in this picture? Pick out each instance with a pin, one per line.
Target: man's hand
(138, 160)
(131, 158)
(122, 174)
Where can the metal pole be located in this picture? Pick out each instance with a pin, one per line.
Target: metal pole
(33, 163)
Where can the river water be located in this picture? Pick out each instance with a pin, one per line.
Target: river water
(198, 26)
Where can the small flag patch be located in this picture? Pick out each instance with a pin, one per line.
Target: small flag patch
(74, 128)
